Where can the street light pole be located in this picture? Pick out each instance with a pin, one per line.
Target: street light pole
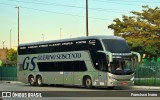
(3, 44)
(18, 24)
(60, 32)
(43, 37)
(87, 18)
(10, 37)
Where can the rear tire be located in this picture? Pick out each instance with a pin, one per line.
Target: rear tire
(31, 81)
(39, 81)
(88, 82)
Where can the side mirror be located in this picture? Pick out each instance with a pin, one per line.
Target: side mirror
(109, 55)
(137, 54)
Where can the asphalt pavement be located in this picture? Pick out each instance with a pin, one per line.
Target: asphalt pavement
(58, 90)
(118, 87)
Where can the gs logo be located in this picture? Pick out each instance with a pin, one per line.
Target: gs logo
(26, 63)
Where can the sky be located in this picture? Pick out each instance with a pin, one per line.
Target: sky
(46, 19)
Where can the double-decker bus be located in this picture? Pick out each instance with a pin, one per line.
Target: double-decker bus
(83, 61)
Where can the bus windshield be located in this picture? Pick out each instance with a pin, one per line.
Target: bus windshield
(116, 46)
(121, 67)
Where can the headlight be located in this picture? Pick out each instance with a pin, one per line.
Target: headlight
(111, 78)
(132, 79)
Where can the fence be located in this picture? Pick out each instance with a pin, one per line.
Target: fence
(147, 73)
(8, 73)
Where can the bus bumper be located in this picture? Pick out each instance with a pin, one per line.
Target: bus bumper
(120, 83)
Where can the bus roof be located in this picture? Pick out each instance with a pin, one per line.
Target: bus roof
(72, 39)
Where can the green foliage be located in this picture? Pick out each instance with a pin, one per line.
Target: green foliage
(11, 55)
(142, 30)
(1, 63)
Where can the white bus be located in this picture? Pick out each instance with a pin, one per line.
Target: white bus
(84, 61)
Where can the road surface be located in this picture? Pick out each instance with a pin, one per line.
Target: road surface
(78, 93)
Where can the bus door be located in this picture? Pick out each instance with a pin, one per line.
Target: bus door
(102, 69)
(68, 72)
(58, 74)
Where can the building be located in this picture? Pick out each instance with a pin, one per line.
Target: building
(3, 55)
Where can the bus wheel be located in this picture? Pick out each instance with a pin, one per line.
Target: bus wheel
(39, 81)
(88, 82)
(31, 81)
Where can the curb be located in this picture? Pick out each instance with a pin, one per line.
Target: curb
(142, 87)
(10, 82)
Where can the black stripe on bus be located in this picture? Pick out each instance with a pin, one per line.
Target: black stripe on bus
(67, 66)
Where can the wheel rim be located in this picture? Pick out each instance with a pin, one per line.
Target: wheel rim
(32, 81)
(39, 81)
(88, 82)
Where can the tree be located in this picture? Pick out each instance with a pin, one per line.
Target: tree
(11, 55)
(1, 63)
(141, 31)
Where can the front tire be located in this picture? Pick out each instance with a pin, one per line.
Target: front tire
(31, 81)
(88, 82)
(39, 81)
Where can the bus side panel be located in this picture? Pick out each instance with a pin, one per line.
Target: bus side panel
(58, 77)
(77, 78)
(102, 78)
(47, 77)
(22, 77)
(52, 77)
(68, 78)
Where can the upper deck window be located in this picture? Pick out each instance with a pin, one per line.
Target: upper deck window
(54, 44)
(22, 50)
(116, 46)
(67, 43)
(66, 46)
(94, 44)
(32, 46)
(81, 42)
(43, 45)
(22, 47)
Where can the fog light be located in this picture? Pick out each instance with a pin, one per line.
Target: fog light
(112, 83)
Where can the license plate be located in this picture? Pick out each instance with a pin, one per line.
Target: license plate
(124, 83)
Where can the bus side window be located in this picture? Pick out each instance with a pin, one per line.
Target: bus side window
(76, 66)
(79, 66)
(22, 50)
(82, 66)
(81, 45)
(102, 65)
(43, 48)
(67, 66)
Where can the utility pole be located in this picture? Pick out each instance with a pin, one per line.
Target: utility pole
(10, 37)
(3, 43)
(60, 32)
(18, 24)
(87, 18)
(70, 35)
(43, 37)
